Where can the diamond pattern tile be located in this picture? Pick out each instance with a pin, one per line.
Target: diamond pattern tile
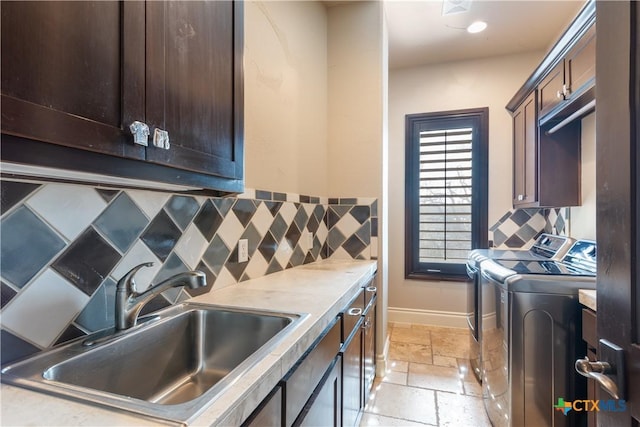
(87, 262)
(208, 220)
(182, 209)
(99, 313)
(176, 232)
(361, 213)
(278, 228)
(191, 246)
(26, 245)
(150, 202)
(273, 207)
(122, 222)
(14, 348)
(244, 210)
(262, 219)
(54, 202)
(353, 245)
(44, 308)
(520, 217)
(106, 194)
(224, 205)
(7, 294)
(257, 266)
(13, 192)
(230, 230)
(161, 235)
(301, 218)
(216, 255)
(268, 246)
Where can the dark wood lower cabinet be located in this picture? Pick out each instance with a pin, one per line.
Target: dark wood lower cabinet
(330, 384)
(368, 350)
(269, 413)
(352, 383)
(323, 409)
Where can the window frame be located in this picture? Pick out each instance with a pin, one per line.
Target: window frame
(478, 118)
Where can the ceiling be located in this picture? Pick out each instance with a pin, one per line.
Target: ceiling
(419, 34)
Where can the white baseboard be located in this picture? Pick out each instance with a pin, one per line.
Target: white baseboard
(449, 319)
(381, 359)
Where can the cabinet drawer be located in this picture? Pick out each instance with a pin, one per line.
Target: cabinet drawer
(589, 328)
(303, 378)
(352, 315)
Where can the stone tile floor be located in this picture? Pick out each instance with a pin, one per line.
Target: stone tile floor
(428, 381)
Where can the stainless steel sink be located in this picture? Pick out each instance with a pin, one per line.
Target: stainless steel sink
(170, 366)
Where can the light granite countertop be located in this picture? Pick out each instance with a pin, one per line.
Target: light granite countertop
(587, 297)
(320, 289)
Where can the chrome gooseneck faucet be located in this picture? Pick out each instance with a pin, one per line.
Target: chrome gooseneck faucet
(129, 302)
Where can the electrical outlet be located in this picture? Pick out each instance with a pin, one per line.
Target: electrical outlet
(308, 236)
(243, 250)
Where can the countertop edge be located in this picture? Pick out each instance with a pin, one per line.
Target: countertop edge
(341, 278)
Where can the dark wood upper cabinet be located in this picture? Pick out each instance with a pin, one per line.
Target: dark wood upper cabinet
(546, 114)
(550, 89)
(64, 73)
(572, 77)
(75, 75)
(546, 167)
(525, 153)
(192, 84)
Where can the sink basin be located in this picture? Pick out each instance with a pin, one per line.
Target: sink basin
(170, 366)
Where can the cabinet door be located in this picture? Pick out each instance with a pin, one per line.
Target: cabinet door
(581, 64)
(525, 145)
(65, 68)
(194, 84)
(269, 413)
(551, 89)
(352, 380)
(324, 409)
(369, 352)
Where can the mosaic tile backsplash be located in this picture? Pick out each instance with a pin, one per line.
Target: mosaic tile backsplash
(63, 248)
(520, 228)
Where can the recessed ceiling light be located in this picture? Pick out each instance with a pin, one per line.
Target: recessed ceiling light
(476, 27)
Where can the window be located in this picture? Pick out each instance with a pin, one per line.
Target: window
(446, 191)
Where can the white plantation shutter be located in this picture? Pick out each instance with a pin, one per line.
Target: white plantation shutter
(446, 187)
(445, 195)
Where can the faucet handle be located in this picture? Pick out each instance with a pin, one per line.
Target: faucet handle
(127, 281)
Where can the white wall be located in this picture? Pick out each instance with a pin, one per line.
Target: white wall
(357, 63)
(355, 100)
(285, 69)
(451, 86)
(582, 224)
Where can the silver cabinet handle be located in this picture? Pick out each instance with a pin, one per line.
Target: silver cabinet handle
(161, 138)
(354, 312)
(520, 197)
(597, 371)
(371, 289)
(140, 133)
(559, 95)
